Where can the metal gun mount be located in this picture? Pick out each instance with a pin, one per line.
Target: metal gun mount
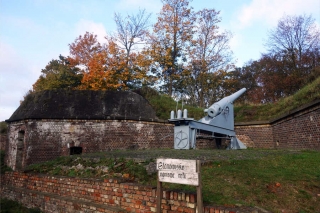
(217, 124)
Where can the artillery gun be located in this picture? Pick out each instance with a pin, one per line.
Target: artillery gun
(217, 124)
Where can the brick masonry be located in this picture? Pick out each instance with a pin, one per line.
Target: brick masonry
(65, 194)
(255, 135)
(299, 129)
(33, 141)
(44, 140)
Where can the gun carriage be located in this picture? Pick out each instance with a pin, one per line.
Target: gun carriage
(217, 124)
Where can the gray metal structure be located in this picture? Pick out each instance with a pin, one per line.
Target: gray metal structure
(218, 123)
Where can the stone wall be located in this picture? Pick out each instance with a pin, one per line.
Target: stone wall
(41, 140)
(3, 140)
(65, 194)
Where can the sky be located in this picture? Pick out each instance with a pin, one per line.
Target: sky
(33, 32)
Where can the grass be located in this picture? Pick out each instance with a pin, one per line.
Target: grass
(274, 180)
(94, 167)
(265, 112)
(163, 104)
(10, 206)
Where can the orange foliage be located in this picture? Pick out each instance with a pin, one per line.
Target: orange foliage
(111, 69)
(83, 49)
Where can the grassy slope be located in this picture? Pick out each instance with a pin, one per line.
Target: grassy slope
(275, 180)
(163, 104)
(263, 112)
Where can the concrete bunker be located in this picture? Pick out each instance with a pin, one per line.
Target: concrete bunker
(56, 123)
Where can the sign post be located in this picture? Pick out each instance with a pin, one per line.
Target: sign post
(181, 172)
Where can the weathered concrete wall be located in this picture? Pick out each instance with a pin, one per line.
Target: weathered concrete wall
(3, 141)
(47, 139)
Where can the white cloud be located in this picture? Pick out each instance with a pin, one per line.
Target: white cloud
(153, 6)
(84, 26)
(270, 11)
(16, 78)
(235, 41)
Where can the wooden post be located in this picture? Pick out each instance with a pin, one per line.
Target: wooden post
(181, 172)
(199, 189)
(159, 195)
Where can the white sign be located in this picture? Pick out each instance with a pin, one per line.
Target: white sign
(178, 171)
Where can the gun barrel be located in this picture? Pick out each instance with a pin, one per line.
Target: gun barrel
(216, 108)
(236, 95)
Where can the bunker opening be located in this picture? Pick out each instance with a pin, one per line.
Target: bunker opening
(76, 150)
(20, 146)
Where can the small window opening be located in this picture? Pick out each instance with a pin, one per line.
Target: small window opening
(20, 140)
(76, 150)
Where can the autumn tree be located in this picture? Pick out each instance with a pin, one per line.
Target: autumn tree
(83, 49)
(108, 69)
(168, 42)
(131, 32)
(294, 45)
(208, 53)
(58, 74)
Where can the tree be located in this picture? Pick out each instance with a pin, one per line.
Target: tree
(83, 49)
(131, 31)
(295, 42)
(108, 69)
(167, 44)
(58, 74)
(208, 53)
(294, 36)
(246, 77)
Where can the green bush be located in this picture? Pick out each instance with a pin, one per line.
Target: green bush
(10, 206)
(3, 127)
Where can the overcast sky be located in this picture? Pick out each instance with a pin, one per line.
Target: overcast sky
(33, 32)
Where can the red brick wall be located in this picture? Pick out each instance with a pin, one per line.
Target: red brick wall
(299, 129)
(255, 135)
(47, 139)
(63, 194)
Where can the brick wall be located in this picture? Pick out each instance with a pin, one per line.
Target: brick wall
(47, 139)
(255, 135)
(64, 194)
(298, 129)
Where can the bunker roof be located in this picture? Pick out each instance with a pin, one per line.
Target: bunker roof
(84, 104)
